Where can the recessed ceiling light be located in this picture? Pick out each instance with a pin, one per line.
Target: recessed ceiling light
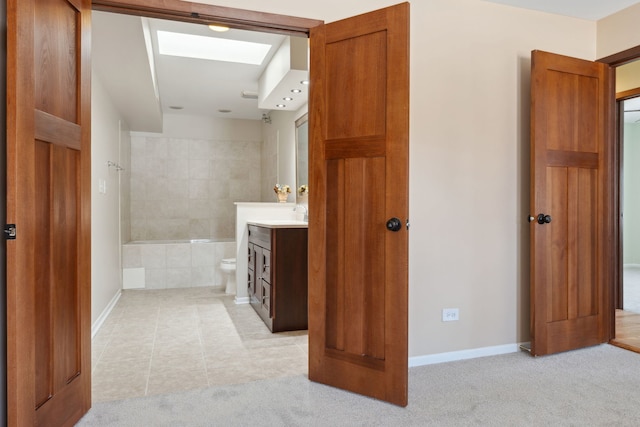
(176, 107)
(224, 110)
(211, 48)
(280, 105)
(296, 90)
(218, 28)
(304, 82)
(287, 98)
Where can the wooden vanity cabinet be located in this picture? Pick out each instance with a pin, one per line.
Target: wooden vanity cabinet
(251, 268)
(277, 276)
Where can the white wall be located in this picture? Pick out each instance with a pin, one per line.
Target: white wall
(469, 177)
(125, 183)
(619, 31)
(631, 195)
(469, 149)
(107, 127)
(628, 76)
(201, 127)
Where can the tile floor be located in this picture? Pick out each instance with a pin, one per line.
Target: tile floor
(162, 341)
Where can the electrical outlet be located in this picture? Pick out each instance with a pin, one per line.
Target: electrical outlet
(450, 314)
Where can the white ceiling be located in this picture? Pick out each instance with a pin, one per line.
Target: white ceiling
(591, 10)
(200, 87)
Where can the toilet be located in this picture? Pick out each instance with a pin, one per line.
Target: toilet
(228, 268)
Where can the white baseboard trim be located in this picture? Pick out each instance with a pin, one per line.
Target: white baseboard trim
(242, 300)
(463, 354)
(105, 313)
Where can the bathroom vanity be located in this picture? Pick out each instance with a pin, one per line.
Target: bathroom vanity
(277, 273)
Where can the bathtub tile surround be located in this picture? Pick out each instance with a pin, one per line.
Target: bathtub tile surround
(175, 264)
(184, 188)
(161, 341)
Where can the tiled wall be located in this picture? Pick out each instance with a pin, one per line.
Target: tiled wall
(184, 188)
(125, 183)
(269, 163)
(174, 264)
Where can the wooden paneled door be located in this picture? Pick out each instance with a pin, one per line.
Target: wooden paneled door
(570, 155)
(48, 198)
(359, 157)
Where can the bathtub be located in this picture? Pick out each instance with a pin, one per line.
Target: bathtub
(162, 264)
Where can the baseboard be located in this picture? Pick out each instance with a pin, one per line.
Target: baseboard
(463, 354)
(105, 313)
(242, 300)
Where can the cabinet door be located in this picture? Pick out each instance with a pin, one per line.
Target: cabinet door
(265, 271)
(252, 257)
(251, 269)
(266, 298)
(251, 279)
(256, 293)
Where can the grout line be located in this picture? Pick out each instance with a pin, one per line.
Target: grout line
(153, 348)
(202, 353)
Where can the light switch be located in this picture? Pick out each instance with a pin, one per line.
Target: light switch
(102, 186)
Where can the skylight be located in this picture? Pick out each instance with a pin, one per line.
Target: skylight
(211, 48)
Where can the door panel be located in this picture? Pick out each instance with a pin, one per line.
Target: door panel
(48, 169)
(358, 120)
(569, 170)
(363, 112)
(56, 25)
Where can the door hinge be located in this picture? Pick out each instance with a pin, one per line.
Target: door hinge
(10, 231)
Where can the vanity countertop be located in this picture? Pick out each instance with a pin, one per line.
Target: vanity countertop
(279, 223)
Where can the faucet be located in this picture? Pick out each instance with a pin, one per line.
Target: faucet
(301, 213)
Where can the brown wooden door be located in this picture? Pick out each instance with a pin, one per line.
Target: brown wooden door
(569, 168)
(48, 198)
(359, 141)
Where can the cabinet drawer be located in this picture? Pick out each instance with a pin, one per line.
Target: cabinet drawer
(261, 236)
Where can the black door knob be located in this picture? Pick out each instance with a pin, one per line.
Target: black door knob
(544, 219)
(394, 224)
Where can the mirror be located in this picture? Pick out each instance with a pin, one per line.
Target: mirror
(302, 153)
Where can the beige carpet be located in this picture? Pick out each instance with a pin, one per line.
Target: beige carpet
(597, 386)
